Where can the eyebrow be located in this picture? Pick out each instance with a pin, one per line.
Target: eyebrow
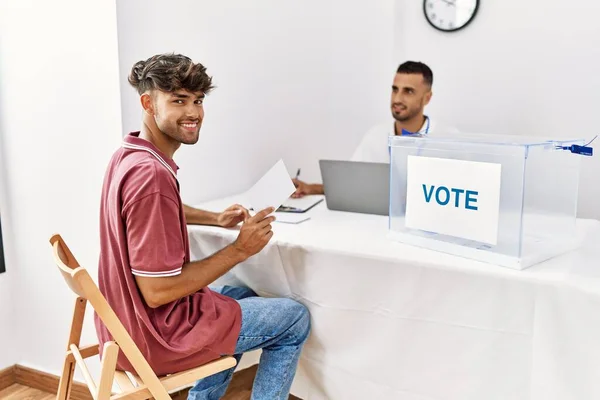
(403, 87)
(185, 95)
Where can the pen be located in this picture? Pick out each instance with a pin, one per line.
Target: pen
(298, 173)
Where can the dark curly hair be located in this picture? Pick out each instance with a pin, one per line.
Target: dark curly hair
(169, 73)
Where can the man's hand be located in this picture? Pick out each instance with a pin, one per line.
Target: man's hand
(304, 189)
(232, 216)
(255, 233)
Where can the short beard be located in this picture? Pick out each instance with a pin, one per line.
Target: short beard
(405, 118)
(172, 132)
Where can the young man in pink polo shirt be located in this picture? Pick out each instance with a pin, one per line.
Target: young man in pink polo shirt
(145, 271)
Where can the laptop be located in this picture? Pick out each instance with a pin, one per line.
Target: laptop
(360, 187)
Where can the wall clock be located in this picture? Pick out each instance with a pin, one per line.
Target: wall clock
(450, 15)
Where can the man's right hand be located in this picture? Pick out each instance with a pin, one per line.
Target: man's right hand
(255, 233)
(303, 188)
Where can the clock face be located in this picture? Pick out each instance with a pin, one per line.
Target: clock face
(450, 15)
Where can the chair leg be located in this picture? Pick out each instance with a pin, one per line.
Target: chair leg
(109, 364)
(66, 378)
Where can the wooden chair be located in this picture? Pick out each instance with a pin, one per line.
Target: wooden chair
(144, 383)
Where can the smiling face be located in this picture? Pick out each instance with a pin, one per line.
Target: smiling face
(172, 89)
(178, 115)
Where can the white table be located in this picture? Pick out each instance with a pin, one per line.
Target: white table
(393, 321)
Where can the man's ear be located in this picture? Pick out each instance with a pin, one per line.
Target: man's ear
(428, 97)
(147, 103)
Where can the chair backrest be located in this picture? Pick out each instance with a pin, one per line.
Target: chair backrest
(84, 286)
(68, 265)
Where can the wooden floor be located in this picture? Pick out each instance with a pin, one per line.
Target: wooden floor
(239, 389)
(21, 392)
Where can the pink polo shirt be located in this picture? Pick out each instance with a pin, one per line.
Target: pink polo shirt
(143, 232)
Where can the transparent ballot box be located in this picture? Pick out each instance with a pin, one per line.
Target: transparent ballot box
(503, 199)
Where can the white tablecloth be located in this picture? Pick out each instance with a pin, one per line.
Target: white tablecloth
(393, 321)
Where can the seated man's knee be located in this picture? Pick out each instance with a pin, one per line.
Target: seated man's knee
(301, 314)
(306, 321)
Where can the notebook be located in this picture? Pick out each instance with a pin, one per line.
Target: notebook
(300, 205)
(288, 218)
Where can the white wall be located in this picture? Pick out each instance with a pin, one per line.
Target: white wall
(298, 80)
(60, 122)
(8, 353)
(8, 279)
(524, 67)
(8, 339)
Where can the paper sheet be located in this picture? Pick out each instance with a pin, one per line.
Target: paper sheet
(271, 190)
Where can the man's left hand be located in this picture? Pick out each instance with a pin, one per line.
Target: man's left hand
(232, 216)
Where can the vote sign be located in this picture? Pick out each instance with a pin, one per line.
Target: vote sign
(454, 197)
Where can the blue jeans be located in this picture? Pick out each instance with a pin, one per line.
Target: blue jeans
(277, 326)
